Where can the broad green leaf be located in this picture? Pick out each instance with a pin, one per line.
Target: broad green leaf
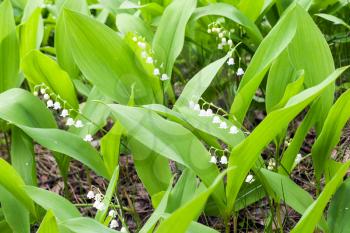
(19, 3)
(20, 107)
(158, 212)
(293, 195)
(22, 156)
(331, 133)
(39, 68)
(49, 224)
(31, 6)
(288, 157)
(314, 212)
(251, 8)
(68, 144)
(152, 168)
(16, 214)
(86, 225)
(247, 152)
(292, 89)
(61, 207)
(333, 19)
(4, 227)
(270, 48)
(180, 220)
(31, 33)
(232, 13)
(195, 88)
(308, 44)
(62, 44)
(96, 112)
(169, 38)
(106, 61)
(112, 188)
(110, 144)
(13, 183)
(339, 210)
(170, 140)
(130, 23)
(183, 191)
(9, 51)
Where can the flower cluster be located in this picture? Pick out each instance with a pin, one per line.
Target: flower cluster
(222, 35)
(223, 158)
(148, 56)
(98, 200)
(215, 118)
(272, 164)
(225, 41)
(60, 105)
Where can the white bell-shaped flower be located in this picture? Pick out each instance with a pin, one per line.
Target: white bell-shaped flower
(156, 71)
(90, 195)
(149, 60)
(202, 113)
(111, 213)
(230, 61)
(70, 121)
(249, 179)
(191, 104)
(197, 108)
(213, 160)
(64, 113)
(42, 91)
(142, 45)
(234, 130)
(223, 125)
(88, 138)
(216, 120)
(209, 112)
(164, 77)
(230, 42)
(35, 93)
(49, 103)
(46, 96)
(79, 124)
(240, 71)
(114, 224)
(57, 105)
(223, 159)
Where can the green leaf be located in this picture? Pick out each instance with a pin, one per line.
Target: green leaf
(251, 12)
(62, 44)
(86, 225)
(170, 140)
(39, 68)
(61, 207)
(313, 214)
(22, 156)
(270, 48)
(14, 184)
(180, 220)
(232, 13)
(339, 210)
(106, 61)
(31, 33)
(169, 38)
(130, 23)
(152, 168)
(49, 224)
(68, 144)
(247, 152)
(112, 188)
(30, 8)
(308, 44)
(333, 19)
(195, 88)
(110, 144)
(293, 195)
(331, 133)
(16, 214)
(9, 51)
